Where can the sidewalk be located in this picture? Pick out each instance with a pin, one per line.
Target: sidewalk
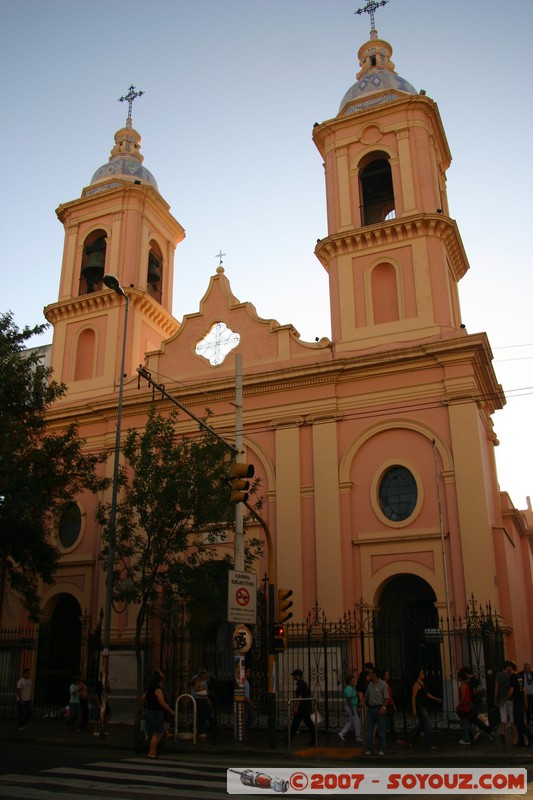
(330, 748)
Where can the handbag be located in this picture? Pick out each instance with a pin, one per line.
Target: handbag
(316, 718)
(464, 709)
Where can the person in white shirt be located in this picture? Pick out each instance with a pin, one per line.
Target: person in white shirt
(23, 699)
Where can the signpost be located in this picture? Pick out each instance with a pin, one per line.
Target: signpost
(242, 597)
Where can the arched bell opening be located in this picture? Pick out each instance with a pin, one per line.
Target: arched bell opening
(377, 191)
(93, 262)
(154, 276)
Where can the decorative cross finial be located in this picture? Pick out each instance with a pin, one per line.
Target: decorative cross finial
(219, 255)
(371, 8)
(130, 97)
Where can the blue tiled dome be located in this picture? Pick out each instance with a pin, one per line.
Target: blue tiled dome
(125, 160)
(377, 77)
(375, 80)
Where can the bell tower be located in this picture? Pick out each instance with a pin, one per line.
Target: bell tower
(393, 255)
(121, 226)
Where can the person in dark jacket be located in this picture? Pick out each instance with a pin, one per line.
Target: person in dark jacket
(303, 707)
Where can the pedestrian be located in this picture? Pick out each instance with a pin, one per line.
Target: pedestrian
(517, 693)
(360, 688)
(23, 699)
(376, 697)
(100, 713)
(351, 704)
(391, 709)
(527, 677)
(419, 709)
(74, 717)
(464, 707)
(156, 706)
(84, 703)
(251, 717)
(505, 706)
(203, 702)
(477, 694)
(302, 708)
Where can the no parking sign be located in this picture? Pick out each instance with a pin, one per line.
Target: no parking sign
(242, 605)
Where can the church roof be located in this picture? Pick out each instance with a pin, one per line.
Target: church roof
(377, 82)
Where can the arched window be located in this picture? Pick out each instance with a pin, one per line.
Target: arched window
(93, 263)
(84, 364)
(154, 278)
(377, 194)
(384, 294)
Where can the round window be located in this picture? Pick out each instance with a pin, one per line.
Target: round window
(69, 525)
(398, 494)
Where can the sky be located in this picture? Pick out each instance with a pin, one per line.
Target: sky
(232, 90)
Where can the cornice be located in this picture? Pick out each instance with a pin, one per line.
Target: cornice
(105, 300)
(69, 213)
(399, 106)
(465, 349)
(396, 536)
(402, 229)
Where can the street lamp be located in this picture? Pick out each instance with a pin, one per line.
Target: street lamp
(113, 283)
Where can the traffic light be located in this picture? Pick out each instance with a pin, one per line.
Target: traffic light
(284, 604)
(239, 485)
(279, 638)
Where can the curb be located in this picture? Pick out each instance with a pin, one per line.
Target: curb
(172, 748)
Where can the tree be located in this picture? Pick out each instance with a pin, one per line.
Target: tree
(40, 471)
(174, 508)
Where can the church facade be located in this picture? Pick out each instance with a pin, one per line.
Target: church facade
(375, 448)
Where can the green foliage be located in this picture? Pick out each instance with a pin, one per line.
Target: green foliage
(174, 508)
(39, 470)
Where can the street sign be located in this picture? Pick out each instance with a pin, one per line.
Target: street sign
(242, 642)
(242, 591)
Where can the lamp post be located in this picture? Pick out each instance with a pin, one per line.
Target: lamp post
(113, 283)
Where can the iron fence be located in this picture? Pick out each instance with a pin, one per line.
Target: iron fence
(326, 650)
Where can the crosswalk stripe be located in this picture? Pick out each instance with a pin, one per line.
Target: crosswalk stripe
(28, 793)
(152, 777)
(19, 789)
(169, 765)
(126, 777)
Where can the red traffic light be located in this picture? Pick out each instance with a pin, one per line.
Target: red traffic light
(239, 485)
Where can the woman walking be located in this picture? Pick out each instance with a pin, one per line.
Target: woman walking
(419, 702)
(464, 707)
(156, 707)
(351, 703)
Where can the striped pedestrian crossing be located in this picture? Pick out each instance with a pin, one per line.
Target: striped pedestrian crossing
(128, 778)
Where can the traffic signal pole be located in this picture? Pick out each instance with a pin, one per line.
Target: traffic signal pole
(271, 665)
(239, 562)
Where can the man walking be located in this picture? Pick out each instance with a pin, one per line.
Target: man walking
(376, 697)
(302, 707)
(505, 706)
(23, 699)
(517, 694)
(527, 677)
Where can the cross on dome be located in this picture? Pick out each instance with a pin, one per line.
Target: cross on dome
(130, 97)
(371, 8)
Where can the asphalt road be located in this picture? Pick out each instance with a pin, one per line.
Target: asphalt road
(41, 772)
